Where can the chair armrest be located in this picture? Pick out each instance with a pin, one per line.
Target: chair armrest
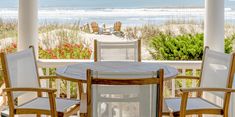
(47, 77)
(83, 105)
(206, 89)
(187, 77)
(48, 90)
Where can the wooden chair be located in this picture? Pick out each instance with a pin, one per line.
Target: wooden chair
(150, 93)
(117, 29)
(117, 51)
(3, 98)
(95, 27)
(216, 78)
(117, 26)
(21, 76)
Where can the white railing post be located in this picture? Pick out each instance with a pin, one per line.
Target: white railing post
(194, 82)
(68, 89)
(58, 87)
(77, 87)
(48, 80)
(173, 88)
(183, 81)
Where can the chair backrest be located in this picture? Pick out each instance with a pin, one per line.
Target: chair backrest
(146, 101)
(117, 51)
(20, 70)
(95, 27)
(217, 70)
(117, 26)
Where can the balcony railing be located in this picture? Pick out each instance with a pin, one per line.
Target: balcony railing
(69, 89)
(64, 87)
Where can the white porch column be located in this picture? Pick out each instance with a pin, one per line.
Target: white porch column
(28, 34)
(214, 24)
(28, 24)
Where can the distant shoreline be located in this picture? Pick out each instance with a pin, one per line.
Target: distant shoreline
(128, 16)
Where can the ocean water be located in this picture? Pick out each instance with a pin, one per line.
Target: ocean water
(130, 12)
(107, 3)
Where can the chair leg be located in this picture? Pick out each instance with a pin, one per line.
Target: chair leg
(199, 115)
(225, 115)
(11, 114)
(60, 114)
(83, 115)
(38, 115)
(171, 115)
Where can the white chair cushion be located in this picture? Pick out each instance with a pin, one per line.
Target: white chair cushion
(193, 103)
(43, 103)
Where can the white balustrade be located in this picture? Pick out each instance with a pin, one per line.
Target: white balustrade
(183, 66)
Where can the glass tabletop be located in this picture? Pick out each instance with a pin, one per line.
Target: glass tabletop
(132, 69)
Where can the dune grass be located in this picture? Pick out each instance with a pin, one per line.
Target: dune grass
(8, 29)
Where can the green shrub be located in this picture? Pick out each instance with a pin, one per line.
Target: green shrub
(181, 47)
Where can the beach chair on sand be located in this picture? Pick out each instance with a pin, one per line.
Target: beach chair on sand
(117, 26)
(106, 30)
(95, 27)
(117, 29)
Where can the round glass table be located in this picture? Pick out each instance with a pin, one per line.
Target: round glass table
(77, 72)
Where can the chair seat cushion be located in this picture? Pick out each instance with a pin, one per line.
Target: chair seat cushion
(43, 103)
(193, 103)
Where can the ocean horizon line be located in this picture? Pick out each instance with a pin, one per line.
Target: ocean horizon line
(168, 7)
